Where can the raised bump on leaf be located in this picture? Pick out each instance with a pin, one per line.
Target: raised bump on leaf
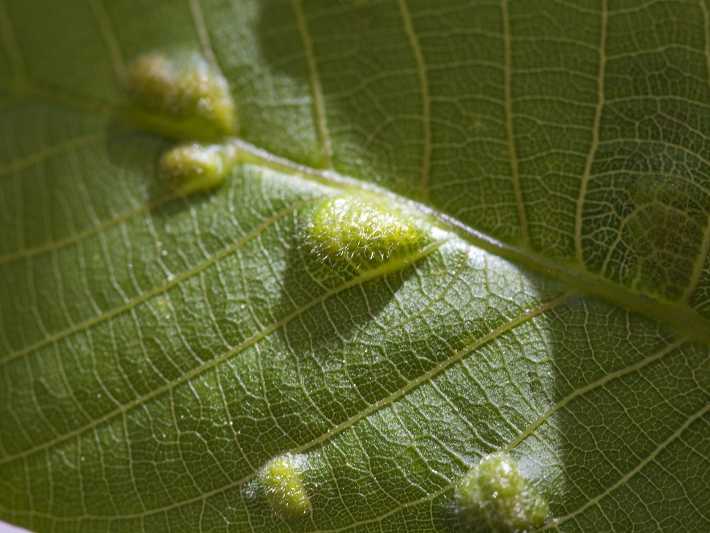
(183, 90)
(361, 233)
(281, 483)
(494, 496)
(195, 167)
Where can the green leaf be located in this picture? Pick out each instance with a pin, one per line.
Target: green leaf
(187, 363)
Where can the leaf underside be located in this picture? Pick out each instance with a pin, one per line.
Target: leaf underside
(157, 350)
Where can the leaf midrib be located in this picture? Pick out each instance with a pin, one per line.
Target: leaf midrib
(683, 319)
(686, 321)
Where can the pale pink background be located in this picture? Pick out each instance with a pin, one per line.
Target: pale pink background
(7, 528)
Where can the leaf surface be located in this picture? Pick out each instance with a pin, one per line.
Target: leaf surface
(157, 350)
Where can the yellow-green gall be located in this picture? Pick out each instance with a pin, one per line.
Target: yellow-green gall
(184, 92)
(361, 233)
(281, 483)
(494, 496)
(195, 167)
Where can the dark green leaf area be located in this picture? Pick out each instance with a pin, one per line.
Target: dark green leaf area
(650, 216)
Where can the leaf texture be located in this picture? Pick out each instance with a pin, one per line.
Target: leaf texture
(158, 350)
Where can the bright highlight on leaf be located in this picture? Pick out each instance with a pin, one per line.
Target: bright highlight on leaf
(362, 233)
(184, 91)
(195, 167)
(281, 483)
(494, 496)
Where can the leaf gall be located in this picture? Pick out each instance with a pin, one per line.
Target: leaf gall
(494, 496)
(361, 233)
(183, 91)
(195, 167)
(281, 483)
